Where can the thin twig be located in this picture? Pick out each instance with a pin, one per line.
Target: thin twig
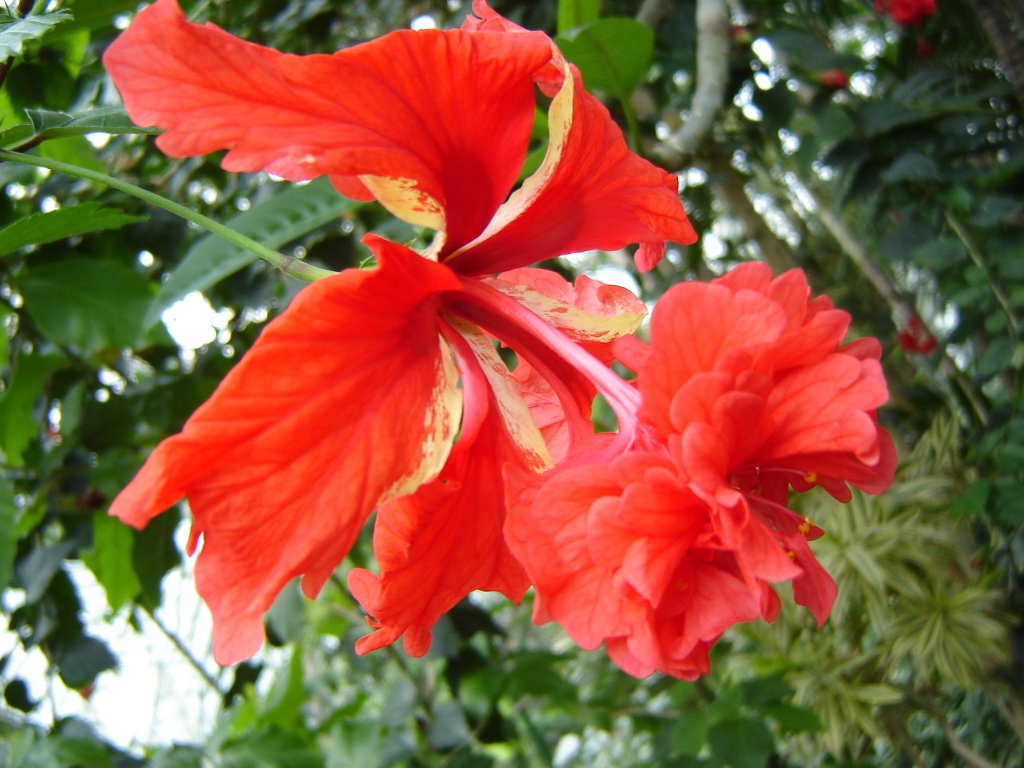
(287, 264)
(183, 649)
(902, 309)
(975, 254)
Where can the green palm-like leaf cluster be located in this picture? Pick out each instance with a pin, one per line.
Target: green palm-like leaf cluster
(914, 615)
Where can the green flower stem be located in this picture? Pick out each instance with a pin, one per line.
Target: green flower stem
(290, 266)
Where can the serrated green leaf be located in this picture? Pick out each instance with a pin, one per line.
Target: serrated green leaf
(612, 54)
(17, 404)
(87, 304)
(65, 222)
(111, 559)
(575, 13)
(15, 33)
(49, 124)
(273, 223)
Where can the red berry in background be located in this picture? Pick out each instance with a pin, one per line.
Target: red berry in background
(925, 50)
(833, 78)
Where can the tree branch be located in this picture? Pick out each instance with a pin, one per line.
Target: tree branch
(1006, 46)
(713, 42)
(653, 12)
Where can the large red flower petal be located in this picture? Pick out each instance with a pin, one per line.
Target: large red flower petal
(590, 192)
(441, 543)
(347, 399)
(434, 123)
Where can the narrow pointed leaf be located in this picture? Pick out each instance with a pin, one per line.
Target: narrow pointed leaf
(50, 124)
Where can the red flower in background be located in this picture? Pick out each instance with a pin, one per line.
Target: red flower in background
(352, 399)
(916, 338)
(909, 13)
(747, 392)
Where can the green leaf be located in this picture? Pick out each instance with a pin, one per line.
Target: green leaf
(87, 304)
(878, 117)
(79, 752)
(940, 254)
(576, 13)
(995, 209)
(741, 743)
(83, 659)
(14, 33)
(65, 222)
(448, 729)
(911, 166)
(690, 731)
(765, 690)
(354, 744)
(997, 357)
(793, 719)
(612, 54)
(111, 559)
(36, 570)
(17, 404)
(8, 531)
(154, 554)
(50, 124)
(73, 150)
(285, 217)
(93, 14)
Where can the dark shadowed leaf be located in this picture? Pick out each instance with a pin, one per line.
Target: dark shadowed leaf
(82, 659)
(18, 423)
(87, 304)
(741, 743)
(65, 222)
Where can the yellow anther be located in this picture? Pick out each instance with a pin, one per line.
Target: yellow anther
(805, 526)
(756, 491)
(811, 477)
(791, 554)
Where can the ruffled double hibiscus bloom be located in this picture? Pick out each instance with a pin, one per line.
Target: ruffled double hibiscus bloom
(747, 391)
(383, 389)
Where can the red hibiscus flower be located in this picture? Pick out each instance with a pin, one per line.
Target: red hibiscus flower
(747, 391)
(909, 13)
(352, 399)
